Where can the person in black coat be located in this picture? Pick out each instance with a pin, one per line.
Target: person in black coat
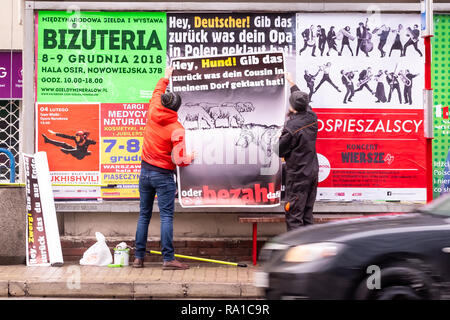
(331, 40)
(347, 80)
(379, 91)
(361, 35)
(397, 45)
(383, 33)
(414, 37)
(309, 40)
(297, 144)
(322, 39)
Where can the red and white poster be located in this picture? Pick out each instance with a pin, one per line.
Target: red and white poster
(371, 154)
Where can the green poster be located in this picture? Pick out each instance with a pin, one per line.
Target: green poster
(99, 56)
(441, 97)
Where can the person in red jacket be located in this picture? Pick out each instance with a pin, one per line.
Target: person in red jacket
(163, 149)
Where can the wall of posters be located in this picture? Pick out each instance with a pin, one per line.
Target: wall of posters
(364, 75)
(440, 85)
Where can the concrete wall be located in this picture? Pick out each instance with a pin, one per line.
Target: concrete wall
(10, 25)
(12, 225)
(118, 218)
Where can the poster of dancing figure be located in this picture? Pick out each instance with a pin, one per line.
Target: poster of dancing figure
(363, 60)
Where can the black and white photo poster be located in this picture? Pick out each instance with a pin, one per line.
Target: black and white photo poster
(233, 108)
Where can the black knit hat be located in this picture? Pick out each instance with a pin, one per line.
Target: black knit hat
(299, 100)
(171, 101)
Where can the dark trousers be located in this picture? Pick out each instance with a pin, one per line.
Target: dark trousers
(311, 90)
(381, 46)
(407, 94)
(300, 203)
(411, 43)
(350, 93)
(326, 78)
(153, 183)
(306, 45)
(397, 88)
(365, 85)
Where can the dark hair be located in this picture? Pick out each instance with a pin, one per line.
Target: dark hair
(171, 100)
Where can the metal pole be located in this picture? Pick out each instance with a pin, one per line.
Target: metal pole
(427, 33)
(12, 165)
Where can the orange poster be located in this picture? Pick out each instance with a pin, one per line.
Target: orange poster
(69, 134)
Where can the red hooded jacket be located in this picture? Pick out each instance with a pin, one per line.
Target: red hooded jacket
(164, 137)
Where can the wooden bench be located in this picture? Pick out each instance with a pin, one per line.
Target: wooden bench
(255, 219)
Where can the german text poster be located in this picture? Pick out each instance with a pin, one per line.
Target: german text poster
(209, 34)
(69, 134)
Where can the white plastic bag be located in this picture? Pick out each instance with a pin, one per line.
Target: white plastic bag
(98, 254)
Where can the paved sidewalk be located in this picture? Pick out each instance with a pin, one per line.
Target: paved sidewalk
(201, 281)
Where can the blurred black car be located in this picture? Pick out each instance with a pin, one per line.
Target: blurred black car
(387, 256)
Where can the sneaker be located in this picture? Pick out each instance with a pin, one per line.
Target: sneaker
(175, 265)
(138, 263)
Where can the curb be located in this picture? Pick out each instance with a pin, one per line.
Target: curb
(130, 290)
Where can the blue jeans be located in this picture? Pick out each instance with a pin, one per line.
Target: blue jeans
(153, 183)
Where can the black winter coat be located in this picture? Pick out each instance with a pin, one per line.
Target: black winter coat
(297, 145)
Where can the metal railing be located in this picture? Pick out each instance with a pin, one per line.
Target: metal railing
(12, 164)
